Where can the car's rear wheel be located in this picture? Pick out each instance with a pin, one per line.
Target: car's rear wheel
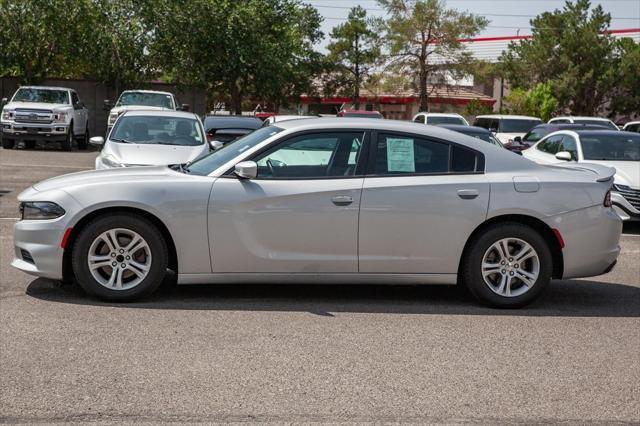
(508, 265)
(8, 143)
(120, 257)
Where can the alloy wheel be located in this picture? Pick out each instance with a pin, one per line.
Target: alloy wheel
(119, 259)
(510, 267)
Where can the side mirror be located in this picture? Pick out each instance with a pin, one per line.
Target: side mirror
(564, 156)
(517, 139)
(184, 107)
(493, 130)
(107, 105)
(97, 141)
(216, 145)
(246, 169)
(4, 101)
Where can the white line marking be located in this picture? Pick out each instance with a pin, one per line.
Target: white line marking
(9, 218)
(49, 166)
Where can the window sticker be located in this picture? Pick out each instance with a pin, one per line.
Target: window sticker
(400, 155)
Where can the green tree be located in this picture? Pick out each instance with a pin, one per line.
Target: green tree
(626, 93)
(475, 108)
(354, 51)
(42, 39)
(538, 101)
(422, 38)
(571, 49)
(240, 49)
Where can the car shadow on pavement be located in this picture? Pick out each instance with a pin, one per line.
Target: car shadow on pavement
(563, 298)
(631, 228)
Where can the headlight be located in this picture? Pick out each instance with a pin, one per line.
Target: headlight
(60, 117)
(36, 210)
(110, 161)
(7, 115)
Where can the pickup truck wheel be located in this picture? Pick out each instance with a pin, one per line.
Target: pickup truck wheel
(30, 144)
(83, 142)
(8, 143)
(67, 144)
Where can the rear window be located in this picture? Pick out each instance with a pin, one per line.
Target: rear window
(604, 123)
(444, 120)
(513, 125)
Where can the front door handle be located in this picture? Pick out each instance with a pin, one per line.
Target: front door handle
(341, 200)
(468, 194)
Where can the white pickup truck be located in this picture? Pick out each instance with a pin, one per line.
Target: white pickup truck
(46, 114)
(141, 99)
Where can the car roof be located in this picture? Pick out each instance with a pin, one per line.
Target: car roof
(570, 126)
(159, 113)
(600, 132)
(439, 114)
(359, 111)
(464, 128)
(576, 117)
(508, 117)
(45, 87)
(232, 122)
(146, 91)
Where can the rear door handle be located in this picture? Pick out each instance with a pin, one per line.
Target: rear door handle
(468, 194)
(341, 200)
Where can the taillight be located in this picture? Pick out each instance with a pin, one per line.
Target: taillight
(607, 199)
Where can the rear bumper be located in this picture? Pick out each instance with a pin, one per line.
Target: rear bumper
(592, 238)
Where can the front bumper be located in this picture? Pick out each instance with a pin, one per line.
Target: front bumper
(56, 132)
(624, 208)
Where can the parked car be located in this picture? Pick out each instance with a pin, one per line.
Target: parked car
(44, 114)
(585, 120)
(227, 128)
(278, 118)
(439, 118)
(519, 144)
(130, 100)
(474, 131)
(145, 138)
(633, 126)
(610, 148)
(506, 127)
(359, 113)
(298, 202)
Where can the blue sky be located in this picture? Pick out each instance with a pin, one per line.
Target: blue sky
(625, 13)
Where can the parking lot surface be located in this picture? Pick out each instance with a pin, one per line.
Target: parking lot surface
(294, 353)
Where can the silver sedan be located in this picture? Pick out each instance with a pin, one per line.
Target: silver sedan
(331, 201)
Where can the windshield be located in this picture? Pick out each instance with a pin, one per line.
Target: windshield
(47, 96)
(439, 119)
(144, 129)
(604, 123)
(216, 159)
(487, 137)
(517, 125)
(146, 99)
(534, 135)
(623, 147)
(360, 115)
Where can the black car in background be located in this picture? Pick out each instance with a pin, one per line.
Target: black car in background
(542, 130)
(225, 129)
(475, 131)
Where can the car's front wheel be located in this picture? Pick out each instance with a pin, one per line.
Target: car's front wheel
(507, 266)
(120, 257)
(67, 143)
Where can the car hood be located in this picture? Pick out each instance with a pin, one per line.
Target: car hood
(36, 105)
(153, 155)
(100, 176)
(627, 172)
(123, 108)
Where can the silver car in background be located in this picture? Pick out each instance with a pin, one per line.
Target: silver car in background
(151, 138)
(330, 201)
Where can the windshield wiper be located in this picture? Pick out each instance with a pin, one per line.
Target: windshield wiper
(122, 140)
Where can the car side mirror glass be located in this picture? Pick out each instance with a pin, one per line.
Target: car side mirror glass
(107, 105)
(216, 145)
(246, 169)
(184, 107)
(517, 139)
(97, 141)
(564, 156)
(4, 101)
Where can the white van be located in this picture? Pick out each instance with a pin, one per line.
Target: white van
(507, 127)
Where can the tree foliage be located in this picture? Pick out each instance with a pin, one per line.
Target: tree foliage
(537, 102)
(625, 98)
(353, 51)
(571, 49)
(423, 35)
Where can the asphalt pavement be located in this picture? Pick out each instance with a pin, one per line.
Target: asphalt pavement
(299, 354)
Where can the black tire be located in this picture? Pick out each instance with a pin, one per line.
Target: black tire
(83, 141)
(29, 144)
(8, 143)
(472, 275)
(67, 144)
(147, 230)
